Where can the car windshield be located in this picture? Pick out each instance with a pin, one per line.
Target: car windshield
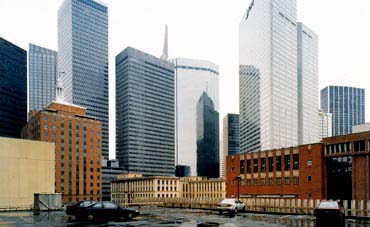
(329, 205)
(230, 201)
(86, 203)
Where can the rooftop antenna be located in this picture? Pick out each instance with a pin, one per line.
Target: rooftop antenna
(165, 45)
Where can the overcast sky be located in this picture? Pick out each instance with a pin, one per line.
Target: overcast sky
(205, 29)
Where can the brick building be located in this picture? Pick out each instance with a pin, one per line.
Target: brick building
(347, 166)
(296, 172)
(78, 144)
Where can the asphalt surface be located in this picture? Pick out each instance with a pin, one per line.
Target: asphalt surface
(162, 217)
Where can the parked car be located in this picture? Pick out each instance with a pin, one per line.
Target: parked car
(331, 212)
(100, 211)
(231, 206)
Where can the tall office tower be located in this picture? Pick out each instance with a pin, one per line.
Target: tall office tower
(325, 124)
(13, 89)
(249, 107)
(42, 72)
(346, 104)
(230, 138)
(308, 85)
(192, 78)
(208, 148)
(78, 141)
(83, 58)
(145, 113)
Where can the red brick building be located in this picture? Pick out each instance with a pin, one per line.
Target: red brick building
(337, 168)
(296, 172)
(347, 164)
(78, 144)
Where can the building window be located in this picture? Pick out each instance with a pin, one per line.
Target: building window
(271, 164)
(255, 181)
(295, 161)
(263, 165)
(255, 165)
(46, 118)
(286, 162)
(278, 180)
(309, 163)
(46, 134)
(287, 180)
(249, 167)
(359, 145)
(263, 181)
(249, 182)
(278, 163)
(309, 178)
(271, 181)
(295, 180)
(242, 170)
(54, 127)
(309, 195)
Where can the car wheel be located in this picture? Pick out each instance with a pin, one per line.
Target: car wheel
(220, 212)
(90, 217)
(130, 216)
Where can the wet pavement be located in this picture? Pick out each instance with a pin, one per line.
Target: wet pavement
(162, 217)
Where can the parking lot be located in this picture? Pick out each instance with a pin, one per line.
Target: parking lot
(162, 217)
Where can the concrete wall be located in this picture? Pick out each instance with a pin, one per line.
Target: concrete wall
(26, 167)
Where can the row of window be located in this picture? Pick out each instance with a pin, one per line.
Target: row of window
(269, 164)
(270, 181)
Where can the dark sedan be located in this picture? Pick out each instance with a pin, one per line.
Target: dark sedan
(100, 211)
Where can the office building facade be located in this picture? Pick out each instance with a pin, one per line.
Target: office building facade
(347, 106)
(208, 147)
(192, 78)
(145, 113)
(43, 73)
(110, 171)
(325, 125)
(268, 42)
(83, 58)
(13, 89)
(230, 140)
(308, 85)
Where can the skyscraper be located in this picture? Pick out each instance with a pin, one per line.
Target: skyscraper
(325, 124)
(13, 89)
(279, 57)
(230, 138)
(83, 57)
(145, 113)
(43, 72)
(192, 78)
(308, 85)
(208, 148)
(347, 106)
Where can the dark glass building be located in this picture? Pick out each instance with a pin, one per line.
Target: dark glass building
(231, 134)
(83, 58)
(43, 71)
(13, 89)
(145, 110)
(182, 171)
(208, 148)
(110, 171)
(347, 106)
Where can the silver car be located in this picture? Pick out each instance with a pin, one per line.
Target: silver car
(231, 206)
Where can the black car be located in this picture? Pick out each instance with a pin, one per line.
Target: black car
(100, 211)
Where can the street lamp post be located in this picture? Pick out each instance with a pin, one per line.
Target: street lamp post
(238, 178)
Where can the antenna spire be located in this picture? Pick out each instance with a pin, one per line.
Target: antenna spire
(165, 45)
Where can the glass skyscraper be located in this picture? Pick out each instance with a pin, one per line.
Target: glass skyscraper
(83, 58)
(208, 148)
(308, 85)
(230, 140)
(43, 72)
(347, 106)
(13, 89)
(145, 113)
(276, 55)
(192, 78)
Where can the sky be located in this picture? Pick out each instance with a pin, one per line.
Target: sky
(205, 29)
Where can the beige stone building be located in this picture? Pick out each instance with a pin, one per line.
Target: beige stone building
(26, 167)
(130, 187)
(200, 187)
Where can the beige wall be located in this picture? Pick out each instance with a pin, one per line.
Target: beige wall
(26, 167)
